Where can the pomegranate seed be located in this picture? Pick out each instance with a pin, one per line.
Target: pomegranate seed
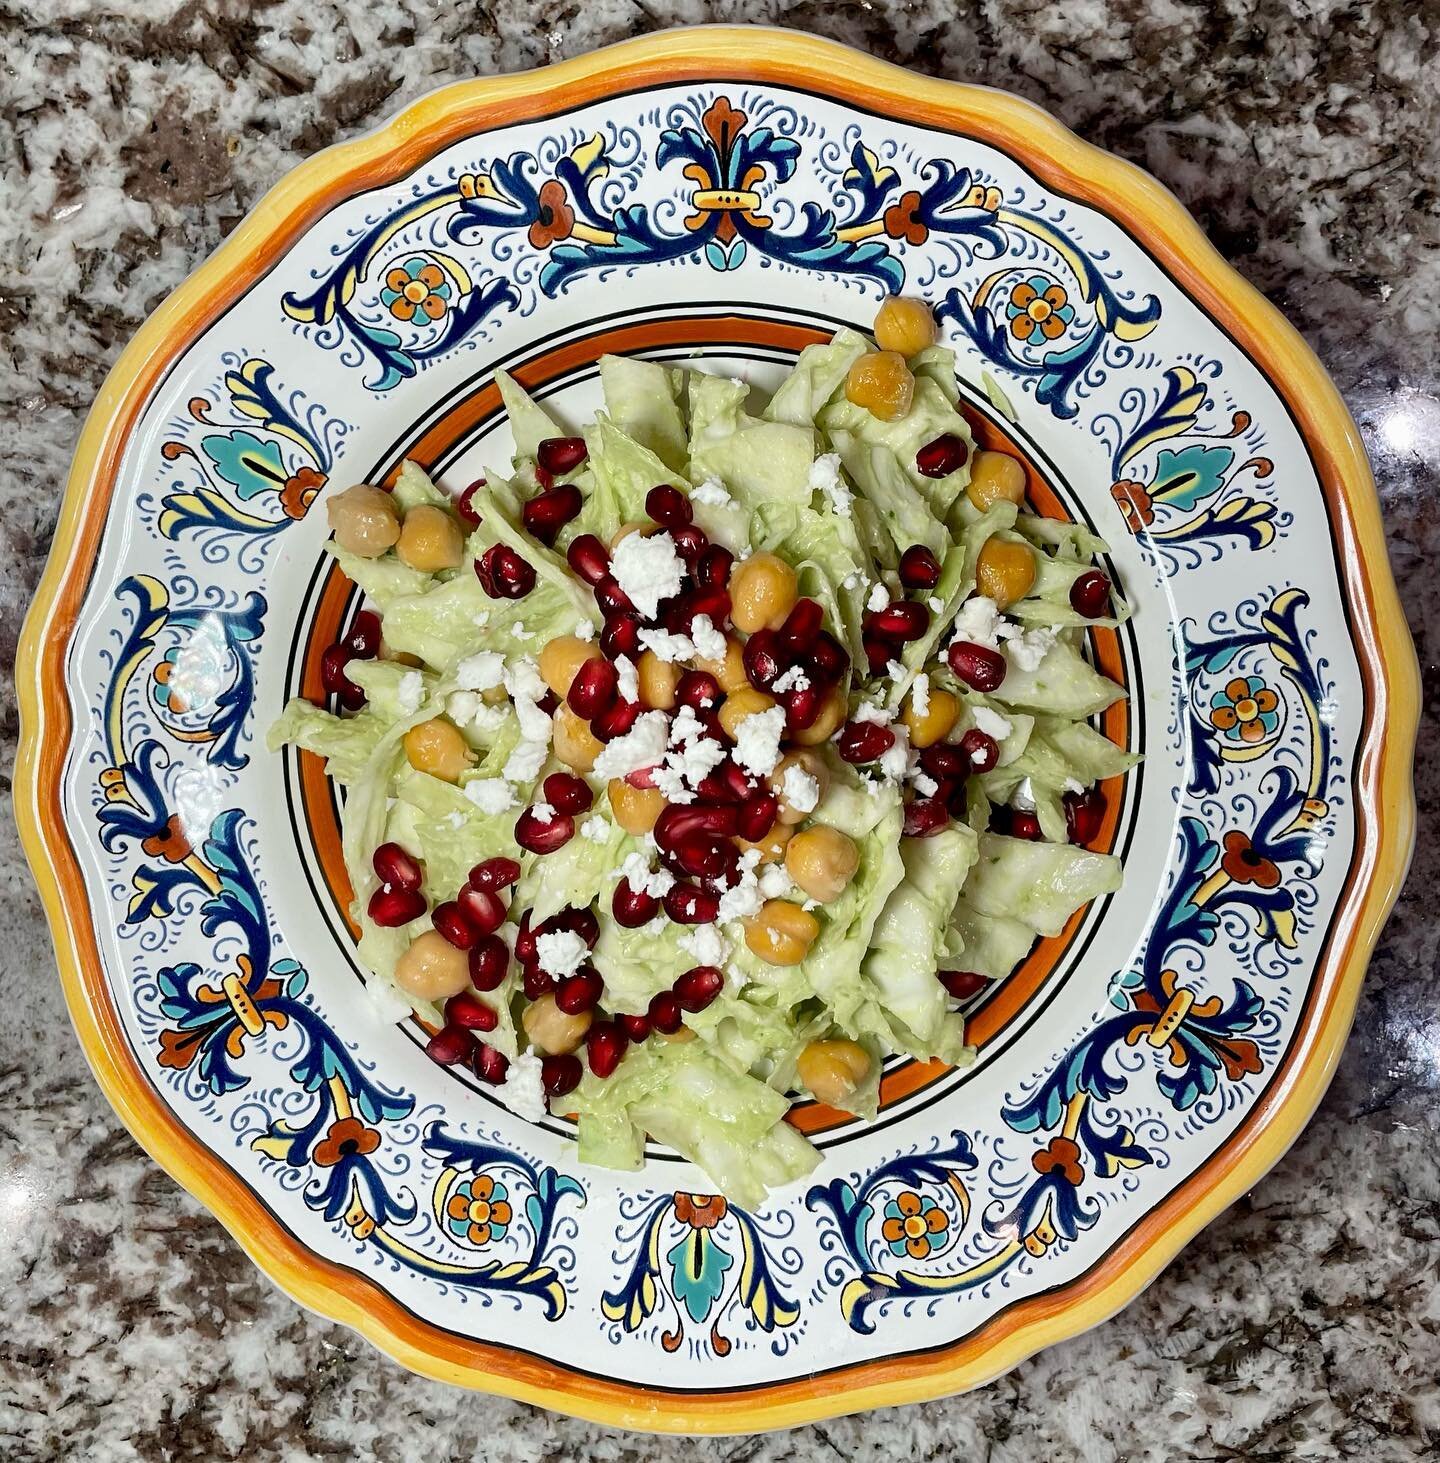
(483, 909)
(757, 816)
(490, 1065)
(449, 1045)
(465, 503)
(471, 1013)
(525, 938)
(536, 982)
(362, 639)
(567, 793)
(575, 918)
(589, 558)
(978, 666)
(919, 568)
(489, 963)
(332, 669)
(391, 908)
(621, 635)
(763, 659)
(828, 660)
(637, 1028)
(610, 597)
(549, 703)
(1024, 824)
(690, 542)
(494, 873)
(802, 705)
(878, 654)
(801, 627)
(740, 783)
(954, 793)
(547, 513)
(560, 1074)
(668, 506)
(924, 816)
(698, 690)
(712, 601)
(863, 741)
(579, 992)
(901, 619)
(687, 905)
(538, 837)
(962, 984)
(715, 787)
(698, 987)
(451, 921)
(593, 688)
(1090, 594)
(642, 777)
(503, 574)
(981, 750)
(351, 697)
(544, 479)
(560, 455)
(605, 1045)
(394, 866)
(665, 1013)
(1084, 812)
(704, 857)
(945, 759)
(676, 820)
(631, 907)
(712, 569)
(615, 720)
(938, 459)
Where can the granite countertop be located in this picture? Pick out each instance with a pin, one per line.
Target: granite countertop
(1305, 135)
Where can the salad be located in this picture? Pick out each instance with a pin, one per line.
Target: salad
(706, 758)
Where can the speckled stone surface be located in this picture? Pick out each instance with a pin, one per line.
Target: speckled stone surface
(1305, 135)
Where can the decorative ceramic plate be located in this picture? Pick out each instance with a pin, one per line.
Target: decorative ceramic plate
(732, 196)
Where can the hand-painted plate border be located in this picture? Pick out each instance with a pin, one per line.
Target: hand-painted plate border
(1376, 783)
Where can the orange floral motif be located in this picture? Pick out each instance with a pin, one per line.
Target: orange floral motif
(416, 287)
(172, 845)
(1060, 1156)
(1245, 865)
(902, 220)
(1247, 710)
(479, 1210)
(914, 1225)
(178, 1048)
(555, 219)
(1039, 304)
(299, 492)
(700, 1211)
(723, 124)
(1134, 504)
(347, 1138)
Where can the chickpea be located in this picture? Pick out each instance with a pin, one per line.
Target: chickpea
(905, 325)
(730, 672)
(772, 846)
(430, 540)
(681, 1035)
(432, 968)
(995, 477)
(822, 861)
(808, 762)
(782, 933)
(363, 520)
(626, 529)
(1005, 570)
(881, 383)
(562, 657)
(635, 808)
(763, 590)
(658, 679)
(574, 743)
(437, 747)
(739, 705)
(825, 725)
(939, 716)
(833, 1071)
(551, 1029)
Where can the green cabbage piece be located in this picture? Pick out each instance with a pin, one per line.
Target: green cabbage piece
(345, 742)
(382, 580)
(576, 874)
(1042, 884)
(815, 378)
(1063, 684)
(381, 681)
(643, 401)
(639, 963)
(450, 835)
(624, 471)
(758, 461)
(991, 945)
(413, 488)
(903, 508)
(530, 423)
(825, 551)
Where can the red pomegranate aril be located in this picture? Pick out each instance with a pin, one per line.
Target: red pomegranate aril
(939, 458)
(633, 907)
(615, 720)
(559, 455)
(698, 987)
(901, 619)
(489, 1064)
(483, 908)
(690, 542)
(712, 568)
(394, 866)
(637, 1028)
(452, 922)
(605, 1045)
(863, 741)
(391, 908)
(549, 703)
(712, 601)
(525, 937)
(981, 750)
(471, 1013)
(536, 982)
(677, 819)
(954, 793)
(801, 627)
(544, 478)
(829, 660)
(945, 759)
(642, 777)
(503, 574)
(878, 654)
(1024, 824)
(665, 1013)
(698, 690)
(715, 787)
(1084, 812)
(489, 963)
(925, 816)
(494, 873)
(704, 857)
(547, 513)
(351, 697)
(740, 783)
(763, 659)
(610, 597)
(362, 639)
(980, 667)
(1090, 594)
(919, 568)
(567, 793)
(688, 905)
(450, 1046)
(332, 668)
(593, 688)
(560, 1074)
(465, 504)
(757, 816)
(962, 984)
(541, 837)
(589, 558)
(578, 919)
(621, 635)
(579, 992)
(668, 506)
(802, 705)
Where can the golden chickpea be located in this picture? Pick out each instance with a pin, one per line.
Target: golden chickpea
(763, 591)
(905, 325)
(810, 763)
(574, 743)
(658, 680)
(881, 383)
(730, 672)
(822, 861)
(739, 705)
(635, 808)
(772, 846)
(551, 1029)
(938, 717)
(781, 933)
(1005, 570)
(437, 747)
(363, 520)
(681, 1036)
(432, 969)
(626, 529)
(995, 477)
(830, 719)
(833, 1071)
(562, 657)
(430, 540)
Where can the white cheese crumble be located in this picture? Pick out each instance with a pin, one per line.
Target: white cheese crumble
(706, 944)
(895, 759)
(920, 694)
(774, 882)
(896, 671)
(596, 829)
(794, 679)
(561, 953)
(665, 646)
(648, 569)
(522, 678)
(825, 478)
(410, 692)
(868, 711)
(628, 685)
(542, 812)
(638, 874)
(757, 740)
(741, 901)
(461, 706)
(935, 604)
(535, 724)
(925, 785)
(481, 672)
(879, 598)
(642, 746)
(583, 630)
(1031, 648)
(800, 789)
(491, 794)
(524, 763)
(990, 722)
(519, 631)
(711, 493)
(709, 642)
(522, 1091)
(1024, 796)
(978, 622)
(853, 580)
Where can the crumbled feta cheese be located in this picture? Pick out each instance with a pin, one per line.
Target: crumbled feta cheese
(977, 622)
(491, 794)
(990, 722)
(825, 478)
(596, 829)
(935, 604)
(481, 672)
(1024, 796)
(665, 646)
(583, 630)
(925, 785)
(561, 953)
(1071, 785)
(894, 761)
(542, 812)
(709, 642)
(628, 685)
(800, 789)
(896, 671)
(792, 680)
(711, 493)
(519, 631)
(707, 944)
(686, 727)
(670, 784)
(868, 711)
(522, 1090)
(920, 694)
(522, 678)
(642, 746)
(757, 740)
(489, 718)
(648, 569)
(638, 874)
(410, 692)
(524, 763)
(461, 706)
(535, 724)
(879, 598)
(742, 900)
(774, 882)
(1031, 648)
(388, 1005)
